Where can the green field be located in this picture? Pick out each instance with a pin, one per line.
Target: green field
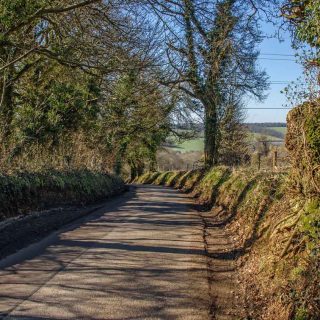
(255, 136)
(197, 144)
(190, 145)
(280, 129)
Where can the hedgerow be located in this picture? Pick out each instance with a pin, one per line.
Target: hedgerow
(23, 192)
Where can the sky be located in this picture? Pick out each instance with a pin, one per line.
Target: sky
(277, 70)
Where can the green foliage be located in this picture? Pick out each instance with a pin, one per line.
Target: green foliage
(310, 225)
(138, 117)
(304, 16)
(43, 118)
(174, 178)
(147, 178)
(70, 102)
(303, 144)
(163, 178)
(301, 314)
(17, 11)
(313, 135)
(212, 180)
(308, 29)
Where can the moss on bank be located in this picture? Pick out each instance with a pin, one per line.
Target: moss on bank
(25, 192)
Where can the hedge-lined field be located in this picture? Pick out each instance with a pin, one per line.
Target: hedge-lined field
(276, 234)
(25, 192)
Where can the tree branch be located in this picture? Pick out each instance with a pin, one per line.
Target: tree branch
(55, 10)
(18, 59)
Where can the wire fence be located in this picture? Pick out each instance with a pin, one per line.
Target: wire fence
(276, 160)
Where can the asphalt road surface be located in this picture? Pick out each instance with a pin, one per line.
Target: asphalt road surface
(140, 257)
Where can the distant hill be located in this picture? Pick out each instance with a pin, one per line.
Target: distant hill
(277, 130)
(268, 124)
(272, 131)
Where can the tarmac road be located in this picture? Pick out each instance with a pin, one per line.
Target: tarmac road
(139, 257)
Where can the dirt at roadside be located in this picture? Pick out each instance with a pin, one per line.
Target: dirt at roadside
(225, 294)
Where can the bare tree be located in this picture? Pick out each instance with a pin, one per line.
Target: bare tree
(211, 44)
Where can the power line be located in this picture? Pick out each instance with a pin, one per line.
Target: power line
(267, 108)
(278, 54)
(270, 59)
(277, 59)
(280, 82)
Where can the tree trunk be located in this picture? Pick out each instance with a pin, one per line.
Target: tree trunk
(136, 169)
(6, 109)
(120, 158)
(153, 166)
(133, 171)
(140, 168)
(210, 135)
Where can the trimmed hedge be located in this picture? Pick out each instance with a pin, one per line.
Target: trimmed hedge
(25, 192)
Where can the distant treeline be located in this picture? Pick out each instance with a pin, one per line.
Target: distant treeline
(200, 126)
(267, 129)
(267, 124)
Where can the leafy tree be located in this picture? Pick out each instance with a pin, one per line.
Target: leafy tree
(50, 105)
(78, 87)
(136, 118)
(304, 16)
(302, 19)
(68, 93)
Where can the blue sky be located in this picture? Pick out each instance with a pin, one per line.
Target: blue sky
(278, 71)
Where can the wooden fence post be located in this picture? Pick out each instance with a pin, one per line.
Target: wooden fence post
(259, 161)
(275, 159)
